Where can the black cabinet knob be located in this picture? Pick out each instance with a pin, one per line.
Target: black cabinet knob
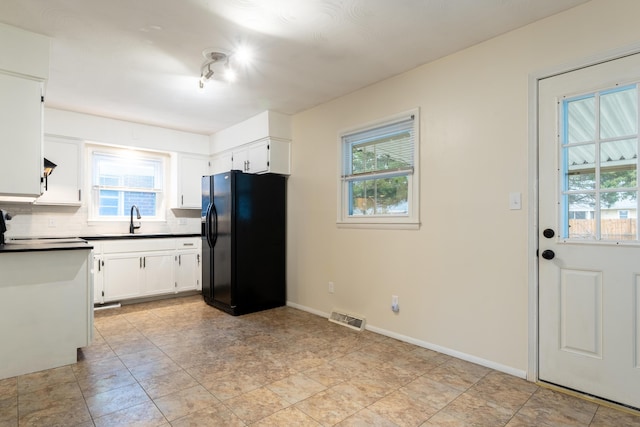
(548, 233)
(548, 254)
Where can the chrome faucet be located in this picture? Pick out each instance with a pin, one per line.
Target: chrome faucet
(133, 228)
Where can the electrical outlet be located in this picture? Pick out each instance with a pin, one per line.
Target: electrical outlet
(331, 288)
(52, 222)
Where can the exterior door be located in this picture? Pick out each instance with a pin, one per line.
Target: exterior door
(589, 267)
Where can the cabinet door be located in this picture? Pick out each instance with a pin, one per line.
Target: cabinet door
(123, 277)
(98, 280)
(187, 277)
(158, 273)
(258, 157)
(239, 160)
(221, 163)
(191, 170)
(63, 184)
(21, 136)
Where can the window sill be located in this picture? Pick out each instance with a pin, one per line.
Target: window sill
(380, 225)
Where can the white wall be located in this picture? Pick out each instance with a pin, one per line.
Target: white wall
(462, 279)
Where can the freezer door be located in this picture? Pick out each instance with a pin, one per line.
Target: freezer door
(222, 251)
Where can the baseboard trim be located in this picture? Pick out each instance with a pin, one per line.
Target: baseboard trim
(440, 349)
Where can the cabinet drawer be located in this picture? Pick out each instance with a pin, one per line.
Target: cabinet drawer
(138, 245)
(188, 243)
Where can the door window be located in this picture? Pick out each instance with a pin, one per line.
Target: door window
(599, 134)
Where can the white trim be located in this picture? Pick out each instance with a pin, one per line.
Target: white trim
(444, 350)
(411, 221)
(532, 328)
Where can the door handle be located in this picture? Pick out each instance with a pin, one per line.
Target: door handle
(548, 254)
(548, 233)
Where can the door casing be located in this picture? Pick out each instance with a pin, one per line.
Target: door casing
(533, 194)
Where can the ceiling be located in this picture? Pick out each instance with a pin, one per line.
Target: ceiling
(140, 60)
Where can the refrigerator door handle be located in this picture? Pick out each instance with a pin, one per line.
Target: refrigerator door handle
(207, 226)
(215, 225)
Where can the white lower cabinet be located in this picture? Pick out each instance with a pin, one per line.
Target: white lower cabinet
(136, 268)
(188, 266)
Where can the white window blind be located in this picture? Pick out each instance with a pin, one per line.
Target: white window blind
(383, 151)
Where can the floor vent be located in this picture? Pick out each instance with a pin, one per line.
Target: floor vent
(347, 320)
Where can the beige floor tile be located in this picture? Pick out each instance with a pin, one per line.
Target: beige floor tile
(9, 409)
(60, 413)
(606, 417)
(548, 408)
(169, 383)
(278, 367)
(116, 399)
(505, 390)
(366, 418)
(430, 393)
(475, 411)
(51, 395)
(185, 402)
(328, 407)
(142, 415)
(458, 374)
(217, 415)
(256, 404)
(287, 417)
(99, 383)
(39, 380)
(9, 388)
(402, 409)
(295, 388)
(228, 386)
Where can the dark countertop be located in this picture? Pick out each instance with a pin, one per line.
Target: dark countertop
(51, 244)
(77, 243)
(138, 236)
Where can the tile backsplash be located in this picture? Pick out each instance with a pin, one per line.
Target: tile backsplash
(72, 221)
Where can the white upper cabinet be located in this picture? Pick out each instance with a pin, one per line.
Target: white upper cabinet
(191, 169)
(261, 144)
(267, 155)
(24, 67)
(63, 186)
(20, 136)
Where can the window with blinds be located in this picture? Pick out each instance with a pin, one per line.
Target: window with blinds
(378, 172)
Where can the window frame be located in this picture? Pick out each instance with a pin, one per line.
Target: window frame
(126, 153)
(411, 220)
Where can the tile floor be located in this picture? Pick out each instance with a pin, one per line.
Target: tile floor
(180, 362)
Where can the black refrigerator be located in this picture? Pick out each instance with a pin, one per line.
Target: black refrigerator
(243, 241)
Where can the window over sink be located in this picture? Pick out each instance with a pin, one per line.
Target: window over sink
(121, 178)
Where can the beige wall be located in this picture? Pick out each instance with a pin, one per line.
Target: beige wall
(462, 279)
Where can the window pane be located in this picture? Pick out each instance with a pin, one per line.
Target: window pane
(387, 196)
(581, 120)
(146, 202)
(618, 164)
(619, 113)
(613, 209)
(580, 164)
(580, 219)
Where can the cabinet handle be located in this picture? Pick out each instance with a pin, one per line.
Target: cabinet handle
(99, 266)
(187, 244)
(179, 259)
(79, 195)
(144, 262)
(248, 165)
(182, 200)
(198, 260)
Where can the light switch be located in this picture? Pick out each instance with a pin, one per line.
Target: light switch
(515, 201)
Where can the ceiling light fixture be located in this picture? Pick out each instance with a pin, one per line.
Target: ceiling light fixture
(216, 60)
